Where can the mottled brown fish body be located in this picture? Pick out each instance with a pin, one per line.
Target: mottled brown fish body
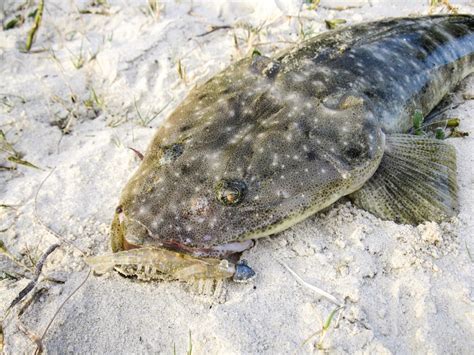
(268, 142)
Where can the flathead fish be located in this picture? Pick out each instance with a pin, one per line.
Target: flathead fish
(270, 141)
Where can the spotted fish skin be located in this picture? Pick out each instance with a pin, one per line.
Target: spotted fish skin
(397, 65)
(268, 142)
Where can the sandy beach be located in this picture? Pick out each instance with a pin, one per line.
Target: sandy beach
(100, 77)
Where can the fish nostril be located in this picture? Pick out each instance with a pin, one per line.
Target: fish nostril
(199, 206)
(119, 212)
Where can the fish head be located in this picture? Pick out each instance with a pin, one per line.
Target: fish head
(242, 159)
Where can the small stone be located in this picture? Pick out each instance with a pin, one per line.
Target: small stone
(282, 242)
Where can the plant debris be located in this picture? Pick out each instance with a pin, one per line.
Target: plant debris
(36, 24)
(32, 283)
(417, 119)
(213, 29)
(16, 21)
(13, 156)
(332, 24)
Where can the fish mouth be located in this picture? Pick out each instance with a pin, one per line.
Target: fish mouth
(217, 251)
(220, 251)
(171, 259)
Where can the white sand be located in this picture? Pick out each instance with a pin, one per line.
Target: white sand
(406, 289)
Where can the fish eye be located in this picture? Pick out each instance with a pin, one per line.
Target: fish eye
(171, 153)
(230, 192)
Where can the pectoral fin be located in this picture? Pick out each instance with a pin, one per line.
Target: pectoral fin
(415, 182)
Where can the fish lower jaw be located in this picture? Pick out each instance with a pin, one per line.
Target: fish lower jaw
(217, 251)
